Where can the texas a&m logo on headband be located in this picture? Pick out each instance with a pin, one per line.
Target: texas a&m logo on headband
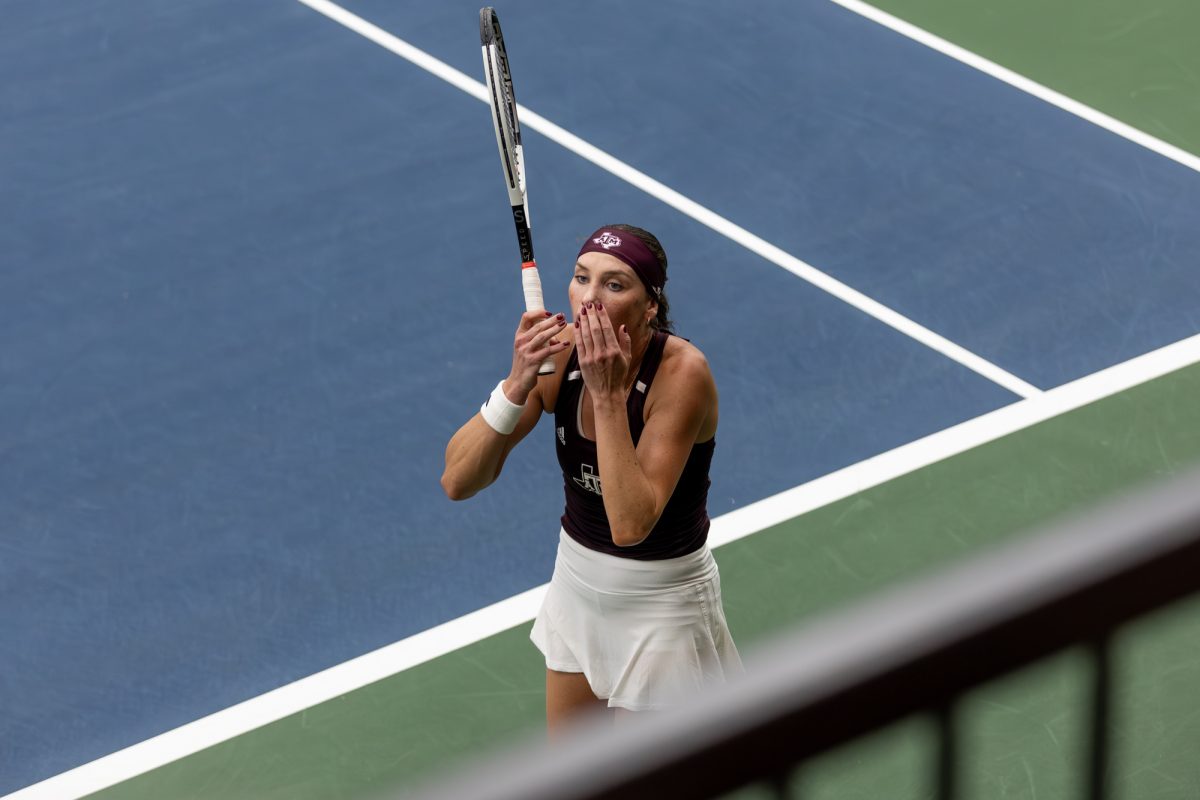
(633, 251)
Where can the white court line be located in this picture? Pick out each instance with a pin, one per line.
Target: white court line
(674, 199)
(458, 633)
(952, 441)
(1021, 82)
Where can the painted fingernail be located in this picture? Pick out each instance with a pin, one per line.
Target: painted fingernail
(547, 313)
(576, 323)
(560, 316)
(600, 306)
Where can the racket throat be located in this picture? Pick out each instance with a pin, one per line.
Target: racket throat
(524, 237)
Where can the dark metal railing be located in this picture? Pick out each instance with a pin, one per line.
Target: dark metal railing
(917, 648)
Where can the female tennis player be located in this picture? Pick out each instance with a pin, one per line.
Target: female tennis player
(633, 618)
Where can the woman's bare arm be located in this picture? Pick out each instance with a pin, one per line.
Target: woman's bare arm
(638, 482)
(476, 452)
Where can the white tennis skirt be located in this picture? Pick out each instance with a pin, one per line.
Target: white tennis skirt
(645, 634)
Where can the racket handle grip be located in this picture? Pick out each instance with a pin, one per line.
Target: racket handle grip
(531, 283)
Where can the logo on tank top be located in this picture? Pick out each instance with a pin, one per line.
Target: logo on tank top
(590, 480)
(562, 436)
(607, 240)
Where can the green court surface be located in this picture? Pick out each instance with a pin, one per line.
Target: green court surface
(1135, 61)
(1023, 736)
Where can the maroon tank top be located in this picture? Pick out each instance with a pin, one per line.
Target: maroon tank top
(683, 526)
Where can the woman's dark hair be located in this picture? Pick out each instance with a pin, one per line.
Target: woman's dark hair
(662, 321)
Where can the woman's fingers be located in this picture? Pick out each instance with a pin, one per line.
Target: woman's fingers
(595, 337)
(552, 347)
(602, 344)
(547, 330)
(531, 318)
(528, 334)
(605, 330)
(532, 343)
(582, 339)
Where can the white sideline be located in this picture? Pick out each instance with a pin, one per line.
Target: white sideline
(684, 205)
(1019, 81)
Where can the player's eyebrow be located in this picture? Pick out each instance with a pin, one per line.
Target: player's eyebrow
(606, 273)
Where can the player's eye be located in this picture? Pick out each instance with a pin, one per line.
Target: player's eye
(614, 286)
(581, 278)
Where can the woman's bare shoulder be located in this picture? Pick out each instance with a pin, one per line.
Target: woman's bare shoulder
(683, 360)
(684, 375)
(684, 371)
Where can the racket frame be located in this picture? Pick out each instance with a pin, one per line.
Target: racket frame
(503, 103)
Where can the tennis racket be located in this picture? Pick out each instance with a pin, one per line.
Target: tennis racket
(512, 158)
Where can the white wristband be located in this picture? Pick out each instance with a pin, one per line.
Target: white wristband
(500, 412)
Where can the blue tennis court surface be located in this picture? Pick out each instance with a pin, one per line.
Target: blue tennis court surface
(256, 270)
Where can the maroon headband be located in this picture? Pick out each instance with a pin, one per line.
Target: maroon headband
(633, 251)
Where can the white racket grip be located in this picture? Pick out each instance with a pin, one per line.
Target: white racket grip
(531, 283)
